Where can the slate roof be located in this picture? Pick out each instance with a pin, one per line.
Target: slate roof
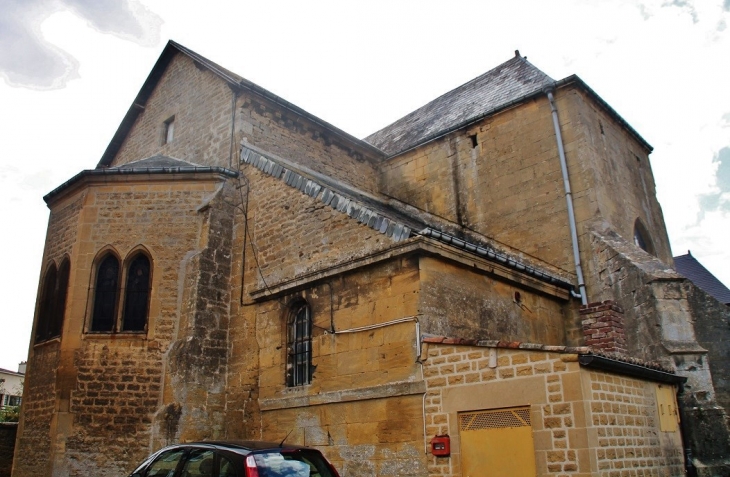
(688, 266)
(157, 161)
(494, 90)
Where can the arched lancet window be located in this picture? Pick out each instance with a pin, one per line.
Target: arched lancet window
(45, 311)
(642, 238)
(137, 293)
(105, 294)
(60, 295)
(299, 345)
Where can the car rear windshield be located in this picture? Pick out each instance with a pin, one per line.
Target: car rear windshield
(294, 463)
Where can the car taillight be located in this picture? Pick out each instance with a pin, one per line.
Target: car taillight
(251, 469)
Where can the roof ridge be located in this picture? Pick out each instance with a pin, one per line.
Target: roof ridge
(485, 94)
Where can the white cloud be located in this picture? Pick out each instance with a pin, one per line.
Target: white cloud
(28, 59)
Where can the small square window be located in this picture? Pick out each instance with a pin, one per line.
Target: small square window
(169, 131)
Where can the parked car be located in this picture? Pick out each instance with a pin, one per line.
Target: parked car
(235, 459)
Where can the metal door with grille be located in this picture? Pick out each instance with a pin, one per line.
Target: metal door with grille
(497, 443)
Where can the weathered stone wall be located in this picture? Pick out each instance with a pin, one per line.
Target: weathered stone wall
(712, 329)
(106, 389)
(661, 316)
(456, 301)
(8, 431)
(614, 167)
(198, 359)
(201, 104)
(292, 234)
(41, 391)
(363, 408)
(509, 186)
(583, 422)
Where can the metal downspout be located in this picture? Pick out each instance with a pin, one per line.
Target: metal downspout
(568, 198)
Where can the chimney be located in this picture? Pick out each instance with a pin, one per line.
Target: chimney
(21, 367)
(603, 326)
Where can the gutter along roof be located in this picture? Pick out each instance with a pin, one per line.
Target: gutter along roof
(377, 214)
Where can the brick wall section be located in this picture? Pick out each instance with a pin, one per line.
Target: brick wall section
(571, 410)
(8, 431)
(625, 423)
(603, 326)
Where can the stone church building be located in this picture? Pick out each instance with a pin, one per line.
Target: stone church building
(486, 283)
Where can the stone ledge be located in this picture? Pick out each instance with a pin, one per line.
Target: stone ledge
(349, 395)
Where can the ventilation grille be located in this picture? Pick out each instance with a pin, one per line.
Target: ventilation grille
(474, 421)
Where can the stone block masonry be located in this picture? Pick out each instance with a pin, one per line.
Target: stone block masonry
(584, 423)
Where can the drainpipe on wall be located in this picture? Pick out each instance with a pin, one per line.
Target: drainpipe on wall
(568, 197)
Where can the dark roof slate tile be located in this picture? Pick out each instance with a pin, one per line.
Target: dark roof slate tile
(688, 266)
(494, 90)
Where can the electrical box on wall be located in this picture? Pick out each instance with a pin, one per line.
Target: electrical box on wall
(441, 446)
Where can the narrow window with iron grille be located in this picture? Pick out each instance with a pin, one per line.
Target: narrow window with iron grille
(137, 294)
(105, 294)
(299, 345)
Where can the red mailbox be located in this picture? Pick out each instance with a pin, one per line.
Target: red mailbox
(441, 446)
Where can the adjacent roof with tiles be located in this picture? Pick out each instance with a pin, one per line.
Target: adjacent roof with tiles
(488, 93)
(688, 266)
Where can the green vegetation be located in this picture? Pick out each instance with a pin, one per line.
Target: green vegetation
(10, 414)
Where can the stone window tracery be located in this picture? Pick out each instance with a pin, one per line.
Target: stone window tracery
(118, 308)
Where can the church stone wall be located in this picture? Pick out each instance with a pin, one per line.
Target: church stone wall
(363, 408)
(460, 302)
(202, 107)
(100, 394)
(508, 187)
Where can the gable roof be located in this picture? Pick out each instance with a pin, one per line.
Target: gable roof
(485, 94)
(688, 266)
(235, 81)
(509, 84)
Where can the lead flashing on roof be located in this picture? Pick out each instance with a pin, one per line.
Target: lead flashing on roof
(335, 199)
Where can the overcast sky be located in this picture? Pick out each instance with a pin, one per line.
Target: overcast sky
(69, 69)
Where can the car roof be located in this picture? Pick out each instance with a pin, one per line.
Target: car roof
(240, 445)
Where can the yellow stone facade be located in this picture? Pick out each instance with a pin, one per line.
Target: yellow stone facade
(255, 206)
